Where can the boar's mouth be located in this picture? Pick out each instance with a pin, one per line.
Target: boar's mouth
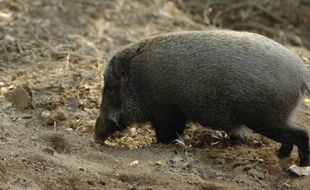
(105, 129)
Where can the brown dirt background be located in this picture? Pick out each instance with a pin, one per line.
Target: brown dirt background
(52, 54)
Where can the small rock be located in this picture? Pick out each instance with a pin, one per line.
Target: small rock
(20, 97)
(45, 114)
(133, 131)
(59, 115)
(24, 159)
(102, 182)
(69, 130)
(89, 182)
(82, 169)
(48, 150)
(134, 163)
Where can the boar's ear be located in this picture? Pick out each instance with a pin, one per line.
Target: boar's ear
(121, 70)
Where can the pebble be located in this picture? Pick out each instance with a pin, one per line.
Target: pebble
(58, 115)
(82, 169)
(48, 150)
(45, 114)
(20, 97)
(89, 182)
(133, 131)
(69, 130)
(134, 163)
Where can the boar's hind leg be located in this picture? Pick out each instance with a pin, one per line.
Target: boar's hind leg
(168, 129)
(285, 150)
(300, 138)
(290, 136)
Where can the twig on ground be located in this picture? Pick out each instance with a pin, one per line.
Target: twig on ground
(181, 142)
(19, 46)
(55, 126)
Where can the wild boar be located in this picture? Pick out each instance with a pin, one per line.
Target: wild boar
(219, 79)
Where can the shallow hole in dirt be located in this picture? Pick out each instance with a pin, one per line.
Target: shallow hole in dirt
(137, 180)
(58, 142)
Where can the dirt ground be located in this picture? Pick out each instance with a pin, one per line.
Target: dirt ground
(52, 54)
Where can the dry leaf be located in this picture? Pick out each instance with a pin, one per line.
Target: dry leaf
(160, 162)
(301, 171)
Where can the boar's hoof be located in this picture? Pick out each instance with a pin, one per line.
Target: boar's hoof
(238, 139)
(304, 158)
(165, 138)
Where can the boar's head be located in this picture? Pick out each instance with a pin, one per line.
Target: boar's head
(113, 115)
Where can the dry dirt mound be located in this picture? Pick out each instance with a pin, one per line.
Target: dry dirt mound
(52, 55)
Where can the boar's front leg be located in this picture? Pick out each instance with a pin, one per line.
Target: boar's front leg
(168, 127)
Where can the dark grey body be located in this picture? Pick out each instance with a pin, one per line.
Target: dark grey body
(219, 79)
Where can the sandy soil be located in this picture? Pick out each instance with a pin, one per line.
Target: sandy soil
(52, 54)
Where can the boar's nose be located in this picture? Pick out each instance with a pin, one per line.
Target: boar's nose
(101, 134)
(99, 138)
(97, 141)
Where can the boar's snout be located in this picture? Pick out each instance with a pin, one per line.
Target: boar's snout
(101, 132)
(103, 129)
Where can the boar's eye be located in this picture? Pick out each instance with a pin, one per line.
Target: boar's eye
(111, 91)
(123, 74)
